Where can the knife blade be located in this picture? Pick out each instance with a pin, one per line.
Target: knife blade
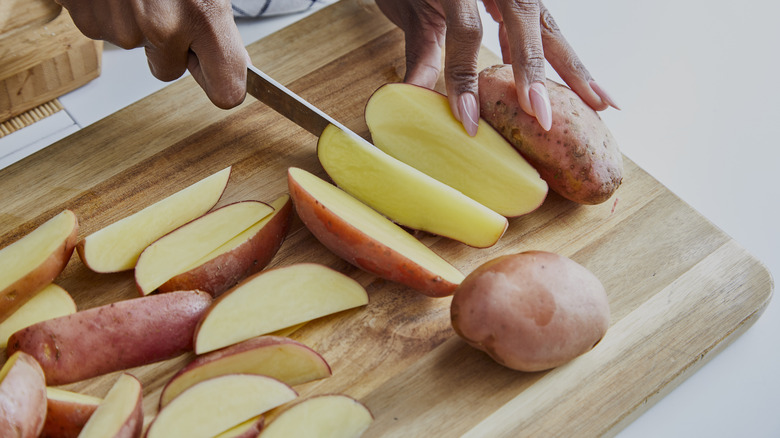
(285, 102)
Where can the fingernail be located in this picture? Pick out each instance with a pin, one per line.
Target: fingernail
(469, 112)
(605, 97)
(540, 103)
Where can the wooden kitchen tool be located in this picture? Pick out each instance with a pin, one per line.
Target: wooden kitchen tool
(680, 289)
(42, 55)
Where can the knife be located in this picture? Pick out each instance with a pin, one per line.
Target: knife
(285, 102)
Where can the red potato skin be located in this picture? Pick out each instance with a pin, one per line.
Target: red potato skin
(113, 337)
(225, 271)
(65, 419)
(361, 250)
(23, 399)
(579, 158)
(23, 289)
(531, 311)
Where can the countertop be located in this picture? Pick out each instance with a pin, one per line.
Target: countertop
(695, 81)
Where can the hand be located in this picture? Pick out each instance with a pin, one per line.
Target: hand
(178, 35)
(527, 33)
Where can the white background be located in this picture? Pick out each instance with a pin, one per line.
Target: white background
(697, 83)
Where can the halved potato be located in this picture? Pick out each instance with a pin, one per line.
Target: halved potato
(35, 260)
(274, 299)
(403, 193)
(415, 125)
(368, 240)
(116, 247)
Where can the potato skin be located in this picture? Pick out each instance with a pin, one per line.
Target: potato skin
(531, 311)
(65, 419)
(579, 158)
(113, 337)
(22, 398)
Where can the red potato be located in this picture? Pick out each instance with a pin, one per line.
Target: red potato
(22, 397)
(579, 158)
(531, 311)
(120, 414)
(246, 254)
(113, 337)
(67, 413)
(35, 260)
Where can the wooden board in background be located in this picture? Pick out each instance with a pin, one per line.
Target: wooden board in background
(679, 288)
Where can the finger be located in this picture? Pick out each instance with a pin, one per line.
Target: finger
(218, 61)
(522, 23)
(120, 24)
(167, 63)
(423, 56)
(567, 64)
(463, 40)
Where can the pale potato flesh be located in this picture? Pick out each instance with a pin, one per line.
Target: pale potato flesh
(275, 299)
(233, 243)
(375, 225)
(403, 193)
(117, 247)
(51, 302)
(249, 428)
(31, 251)
(59, 394)
(284, 359)
(118, 408)
(179, 250)
(415, 125)
(323, 416)
(217, 404)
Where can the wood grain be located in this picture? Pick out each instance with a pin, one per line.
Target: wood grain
(679, 288)
(44, 55)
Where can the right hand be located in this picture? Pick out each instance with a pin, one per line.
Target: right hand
(178, 35)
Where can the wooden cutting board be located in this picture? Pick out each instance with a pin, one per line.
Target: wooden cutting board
(679, 288)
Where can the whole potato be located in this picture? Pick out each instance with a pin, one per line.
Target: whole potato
(531, 311)
(578, 157)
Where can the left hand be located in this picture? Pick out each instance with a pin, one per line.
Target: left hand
(527, 33)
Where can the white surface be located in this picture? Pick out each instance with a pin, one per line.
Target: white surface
(696, 81)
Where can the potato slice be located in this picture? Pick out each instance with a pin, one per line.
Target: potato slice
(117, 246)
(275, 299)
(67, 412)
(184, 248)
(403, 193)
(52, 302)
(240, 257)
(368, 240)
(22, 397)
(215, 405)
(415, 125)
(32, 262)
(274, 356)
(120, 414)
(323, 416)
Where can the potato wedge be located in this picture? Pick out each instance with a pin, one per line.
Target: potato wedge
(67, 412)
(120, 414)
(35, 260)
(51, 302)
(22, 397)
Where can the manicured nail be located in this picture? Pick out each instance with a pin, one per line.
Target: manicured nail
(605, 97)
(469, 112)
(540, 103)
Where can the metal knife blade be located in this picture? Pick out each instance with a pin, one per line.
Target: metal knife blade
(285, 102)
